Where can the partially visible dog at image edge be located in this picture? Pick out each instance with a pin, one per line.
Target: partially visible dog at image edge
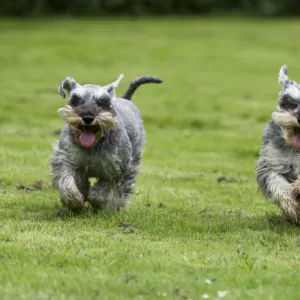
(278, 167)
(103, 138)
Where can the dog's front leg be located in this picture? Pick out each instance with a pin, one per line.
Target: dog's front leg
(276, 187)
(69, 193)
(296, 188)
(63, 179)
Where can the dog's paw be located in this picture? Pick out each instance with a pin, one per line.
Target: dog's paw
(72, 198)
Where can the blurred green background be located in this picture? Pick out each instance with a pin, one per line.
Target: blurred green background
(198, 225)
(149, 7)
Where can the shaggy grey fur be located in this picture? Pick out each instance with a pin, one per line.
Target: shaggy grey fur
(115, 157)
(278, 167)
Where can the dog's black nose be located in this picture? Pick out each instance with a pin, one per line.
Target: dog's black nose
(88, 120)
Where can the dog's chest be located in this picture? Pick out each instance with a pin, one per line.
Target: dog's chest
(284, 162)
(101, 165)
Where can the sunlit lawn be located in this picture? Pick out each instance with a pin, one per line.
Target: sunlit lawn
(197, 212)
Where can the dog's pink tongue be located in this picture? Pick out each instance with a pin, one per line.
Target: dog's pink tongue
(87, 139)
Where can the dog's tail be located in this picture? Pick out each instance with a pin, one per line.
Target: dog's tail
(134, 84)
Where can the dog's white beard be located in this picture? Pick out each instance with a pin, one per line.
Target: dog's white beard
(88, 137)
(105, 119)
(284, 119)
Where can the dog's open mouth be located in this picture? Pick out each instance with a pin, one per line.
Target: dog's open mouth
(296, 132)
(88, 136)
(292, 136)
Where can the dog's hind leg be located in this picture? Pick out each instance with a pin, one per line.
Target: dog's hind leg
(101, 194)
(126, 187)
(112, 195)
(126, 184)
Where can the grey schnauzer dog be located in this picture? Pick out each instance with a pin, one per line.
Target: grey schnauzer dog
(103, 138)
(278, 167)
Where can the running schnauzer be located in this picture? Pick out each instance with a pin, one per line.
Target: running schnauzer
(103, 138)
(278, 167)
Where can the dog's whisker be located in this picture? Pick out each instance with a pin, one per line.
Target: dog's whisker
(284, 119)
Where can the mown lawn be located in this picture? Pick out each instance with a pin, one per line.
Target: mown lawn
(197, 212)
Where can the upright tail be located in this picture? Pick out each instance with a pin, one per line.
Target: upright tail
(134, 84)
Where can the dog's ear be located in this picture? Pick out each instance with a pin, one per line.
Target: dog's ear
(291, 88)
(110, 88)
(282, 77)
(67, 84)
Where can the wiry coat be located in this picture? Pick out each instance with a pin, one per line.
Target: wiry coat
(114, 160)
(278, 167)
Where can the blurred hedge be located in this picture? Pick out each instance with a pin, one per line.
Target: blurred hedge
(148, 7)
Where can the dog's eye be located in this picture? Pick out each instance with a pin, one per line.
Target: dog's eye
(284, 106)
(75, 101)
(103, 102)
(293, 106)
(287, 105)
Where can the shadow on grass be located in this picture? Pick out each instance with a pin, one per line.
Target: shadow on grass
(155, 221)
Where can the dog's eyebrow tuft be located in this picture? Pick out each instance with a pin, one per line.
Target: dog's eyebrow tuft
(103, 97)
(79, 92)
(76, 99)
(76, 95)
(292, 93)
(103, 100)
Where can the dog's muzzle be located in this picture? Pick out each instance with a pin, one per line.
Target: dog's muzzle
(290, 124)
(87, 128)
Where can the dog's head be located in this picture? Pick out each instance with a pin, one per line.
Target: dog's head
(287, 113)
(90, 110)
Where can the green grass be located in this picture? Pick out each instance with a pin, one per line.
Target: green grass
(204, 122)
